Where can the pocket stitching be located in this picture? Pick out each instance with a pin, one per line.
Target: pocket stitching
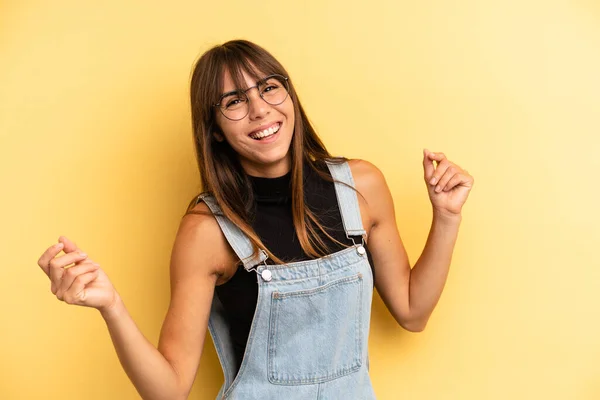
(273, 343)
(307, 292)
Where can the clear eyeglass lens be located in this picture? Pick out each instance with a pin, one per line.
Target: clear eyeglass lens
(273, 90)
(235, 106)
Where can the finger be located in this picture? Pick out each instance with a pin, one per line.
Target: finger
(72, 273)
(451, 170)
(48, 255)
(428, 166)
(437, 156)
(439, 171)
(69, 245)
(456, 179)
(76, 294)
(58, 264)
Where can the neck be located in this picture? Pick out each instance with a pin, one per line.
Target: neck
(271, 170)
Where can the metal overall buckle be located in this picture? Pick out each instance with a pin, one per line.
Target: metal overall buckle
(360, 249)
(265, 274)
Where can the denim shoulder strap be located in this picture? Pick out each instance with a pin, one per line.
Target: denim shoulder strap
(239, 242)
(347, 198)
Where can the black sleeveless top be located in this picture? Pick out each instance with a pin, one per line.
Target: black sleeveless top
(274, 225)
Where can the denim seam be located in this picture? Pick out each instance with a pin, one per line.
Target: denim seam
(272, 344)
(249, 345)
(359, 324)
(327, 257)
(342, 268)
(219, 349)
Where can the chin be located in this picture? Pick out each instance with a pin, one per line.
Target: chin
(277, 153)
(274, 161)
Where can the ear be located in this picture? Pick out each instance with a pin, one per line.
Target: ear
(218, 136)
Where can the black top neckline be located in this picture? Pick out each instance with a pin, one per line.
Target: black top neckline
(279, 189)
(272, 189)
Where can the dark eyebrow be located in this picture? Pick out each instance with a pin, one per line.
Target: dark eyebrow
(236, 91)
(230, 93)
(264, 80)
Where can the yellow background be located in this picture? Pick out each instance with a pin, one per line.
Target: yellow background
(95, 140)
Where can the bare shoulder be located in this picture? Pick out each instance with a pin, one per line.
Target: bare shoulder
(200, 246)
(368, 178)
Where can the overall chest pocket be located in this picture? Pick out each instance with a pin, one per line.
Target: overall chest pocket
(315, 335)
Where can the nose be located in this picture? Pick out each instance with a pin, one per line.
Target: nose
(257, 107)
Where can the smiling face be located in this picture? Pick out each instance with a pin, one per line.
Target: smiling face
(262, 138)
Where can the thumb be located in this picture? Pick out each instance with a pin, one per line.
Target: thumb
(428, 167)
(69, 245)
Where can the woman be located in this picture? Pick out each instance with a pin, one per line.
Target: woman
(273, 257)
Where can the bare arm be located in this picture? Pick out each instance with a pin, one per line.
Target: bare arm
(168, 372)
(428, 276)
(149, 371)
(200, 253)
(409, 294)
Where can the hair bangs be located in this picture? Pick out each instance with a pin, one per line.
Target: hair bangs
(238, 62)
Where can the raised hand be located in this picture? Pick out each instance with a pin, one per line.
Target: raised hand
(76, 279)
(448, 184)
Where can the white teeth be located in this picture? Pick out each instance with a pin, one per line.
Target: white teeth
(267, 132)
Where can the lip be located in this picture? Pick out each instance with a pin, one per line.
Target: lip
(263, 127)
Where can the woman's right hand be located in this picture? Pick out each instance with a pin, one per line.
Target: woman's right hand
(83, 283)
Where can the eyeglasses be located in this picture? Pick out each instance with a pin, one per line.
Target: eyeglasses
(273, 89)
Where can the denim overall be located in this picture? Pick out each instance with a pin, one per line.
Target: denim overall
(308, 339)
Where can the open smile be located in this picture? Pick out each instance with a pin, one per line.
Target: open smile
(266, 132)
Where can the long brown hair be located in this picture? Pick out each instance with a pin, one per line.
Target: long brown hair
(220, 170)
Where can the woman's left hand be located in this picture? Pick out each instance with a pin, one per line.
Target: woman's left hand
(447, 183)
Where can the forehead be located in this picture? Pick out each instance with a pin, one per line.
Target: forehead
(240, 79)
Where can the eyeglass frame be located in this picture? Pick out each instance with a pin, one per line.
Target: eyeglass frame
(245, 92)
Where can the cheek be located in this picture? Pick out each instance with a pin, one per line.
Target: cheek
(229, 130)
(288, 110)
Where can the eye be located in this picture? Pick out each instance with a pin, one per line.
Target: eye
(270, 87)
(232, 102)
